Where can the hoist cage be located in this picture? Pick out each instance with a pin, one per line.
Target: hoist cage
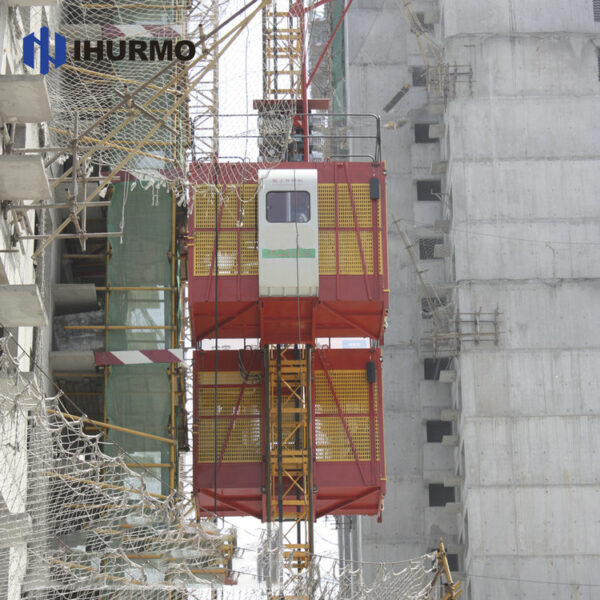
(347, 432)
(353, 286)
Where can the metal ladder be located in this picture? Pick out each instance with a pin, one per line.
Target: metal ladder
(282, 52)
(289, 485)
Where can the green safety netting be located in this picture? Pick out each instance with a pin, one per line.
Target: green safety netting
(139, 396)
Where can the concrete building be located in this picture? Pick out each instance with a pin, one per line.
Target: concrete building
(25, 301)
(491, 441)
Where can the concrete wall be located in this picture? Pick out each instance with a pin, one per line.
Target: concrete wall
(523, 161)
(17, 268)
(381, 52)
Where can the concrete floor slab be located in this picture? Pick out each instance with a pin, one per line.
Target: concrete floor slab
(24, 99)
(68, 360)
(74, 297)
(23, 178)
(21, 306)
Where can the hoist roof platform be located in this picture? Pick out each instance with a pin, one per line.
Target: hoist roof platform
(347, 448)
(352, 298)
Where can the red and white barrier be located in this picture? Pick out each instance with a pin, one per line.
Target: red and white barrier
(138, 357)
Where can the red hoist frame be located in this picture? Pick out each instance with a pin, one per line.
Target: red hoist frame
(292, 432)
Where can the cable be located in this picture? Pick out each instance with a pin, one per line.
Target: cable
(216, 384)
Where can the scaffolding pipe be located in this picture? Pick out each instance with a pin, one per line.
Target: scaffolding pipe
(104, 425)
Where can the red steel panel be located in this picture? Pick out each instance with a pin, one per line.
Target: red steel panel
(343, 487)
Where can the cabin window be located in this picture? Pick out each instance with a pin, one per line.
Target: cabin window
(288, 207)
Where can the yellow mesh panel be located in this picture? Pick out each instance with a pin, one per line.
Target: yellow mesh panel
(327, 252)
(350, 259)
(238, 213)
(204, 206)
(352, 391)
(332, 443)
(230, 213)
(377, 454)
(238, 202)
(223, 378)
(248, 203)
(380, 246)
(203, 252)
(326, 205)
(244, 443)
(227, 399)
(362, 205)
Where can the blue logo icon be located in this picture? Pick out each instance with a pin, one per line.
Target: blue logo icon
(60, 50)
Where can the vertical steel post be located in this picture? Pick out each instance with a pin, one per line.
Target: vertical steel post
(309, 445)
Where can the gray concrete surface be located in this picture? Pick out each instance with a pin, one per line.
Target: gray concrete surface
(520, 140)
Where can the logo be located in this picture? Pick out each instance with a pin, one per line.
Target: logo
(100, 50)
(60, 50)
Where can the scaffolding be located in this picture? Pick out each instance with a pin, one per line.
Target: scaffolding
(442, 79)
(282, 50)
(133, 115)
(449, 327)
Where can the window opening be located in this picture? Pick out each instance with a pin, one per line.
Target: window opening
(426, 247)
(452, 561)
(429, 190)
(419, 76)
(596, 10)
(440, 495)
(433, 366)
(430, 304)
(288, 207)
(422, 134)
(420, 19)
(436, 430)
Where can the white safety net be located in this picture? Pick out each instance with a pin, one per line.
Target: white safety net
(76, 523)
